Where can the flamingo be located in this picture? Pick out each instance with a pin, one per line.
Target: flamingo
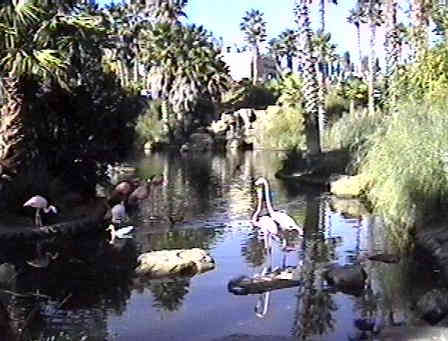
(39, 202)
(143, 191)
(120, 233)
(267, 225)
(284, 221)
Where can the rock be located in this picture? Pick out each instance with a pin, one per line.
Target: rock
(350, 207)
(433, 306)
(8, 274)
(348, 278)
(174, 262)
(348, 186)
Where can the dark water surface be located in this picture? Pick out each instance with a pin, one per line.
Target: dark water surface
(89, 290)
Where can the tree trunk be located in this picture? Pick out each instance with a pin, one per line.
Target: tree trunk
(13, 136)
(311, 88)
(255, 61)
(372, 71)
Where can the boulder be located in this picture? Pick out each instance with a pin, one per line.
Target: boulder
(349, 278)
(348, 186)
(433, 306)
(164, 263)
(349, 207)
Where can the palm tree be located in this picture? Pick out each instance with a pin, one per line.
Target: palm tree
(37, 42)
(311, 89)
(184, 66)
(322, 12)
(392, 47)
(355, 18)
(253, 26)
(167, 11)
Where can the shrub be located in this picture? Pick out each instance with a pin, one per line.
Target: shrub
(280, 128)
(149, 126)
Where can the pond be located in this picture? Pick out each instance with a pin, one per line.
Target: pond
(207, 202)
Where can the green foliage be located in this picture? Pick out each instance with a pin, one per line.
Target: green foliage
(246, 95)
(426, 79)
(351, 132)
(149, 126)
(281, 128)
(335, 105)
(289, 90)
(407, 162)
(355, 90)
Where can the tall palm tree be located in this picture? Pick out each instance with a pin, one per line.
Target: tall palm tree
(253, 26)
(167, 11)
(37, 41)
(355, 18)
(311, 89)
(392, 47)
(322, 11)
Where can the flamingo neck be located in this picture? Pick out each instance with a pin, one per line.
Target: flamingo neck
(258, 209)
(267, 194)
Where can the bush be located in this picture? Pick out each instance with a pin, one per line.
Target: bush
(407, 162)
(280, 128)
(149, 126)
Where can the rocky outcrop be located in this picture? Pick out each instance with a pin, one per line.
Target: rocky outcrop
(433, 305)
(183, 262)
(349, 207)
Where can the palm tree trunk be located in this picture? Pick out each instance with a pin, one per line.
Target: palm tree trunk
(13, 136)
(358, 38)
(372, 71)
(311, 92)
(255, 62)
(392, 49)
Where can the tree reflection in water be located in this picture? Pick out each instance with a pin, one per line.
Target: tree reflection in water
(315, 305)
(169, 294)
(253, 250)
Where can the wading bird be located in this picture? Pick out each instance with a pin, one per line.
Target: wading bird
(42, 260)
(40, 203)
(266, 224)
(143, 191)
(118, 213)
(120, 233)
(284, 221)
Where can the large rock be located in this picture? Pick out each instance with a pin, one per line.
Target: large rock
(163, 263)
(348, 278)
(349, 207)
(433, 306)
(348, 186)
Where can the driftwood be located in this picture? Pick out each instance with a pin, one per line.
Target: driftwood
(260, 283)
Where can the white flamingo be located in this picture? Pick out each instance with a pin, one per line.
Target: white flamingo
(267, 225)
(120, 233)
(40, 203)
(284, 221)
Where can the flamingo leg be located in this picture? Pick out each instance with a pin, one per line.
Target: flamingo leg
(38, 220)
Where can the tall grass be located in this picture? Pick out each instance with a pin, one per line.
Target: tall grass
(406, 163)
(352, 131)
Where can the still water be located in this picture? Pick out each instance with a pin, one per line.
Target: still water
(207, 202)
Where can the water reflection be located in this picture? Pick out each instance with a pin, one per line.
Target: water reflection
(90, 289)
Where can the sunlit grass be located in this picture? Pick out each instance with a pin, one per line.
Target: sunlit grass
(406, 162)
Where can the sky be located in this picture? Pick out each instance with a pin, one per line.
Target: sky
(223, 18)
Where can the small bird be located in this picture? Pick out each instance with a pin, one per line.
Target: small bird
(120, 233)
(284, 221)
(40, 203)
